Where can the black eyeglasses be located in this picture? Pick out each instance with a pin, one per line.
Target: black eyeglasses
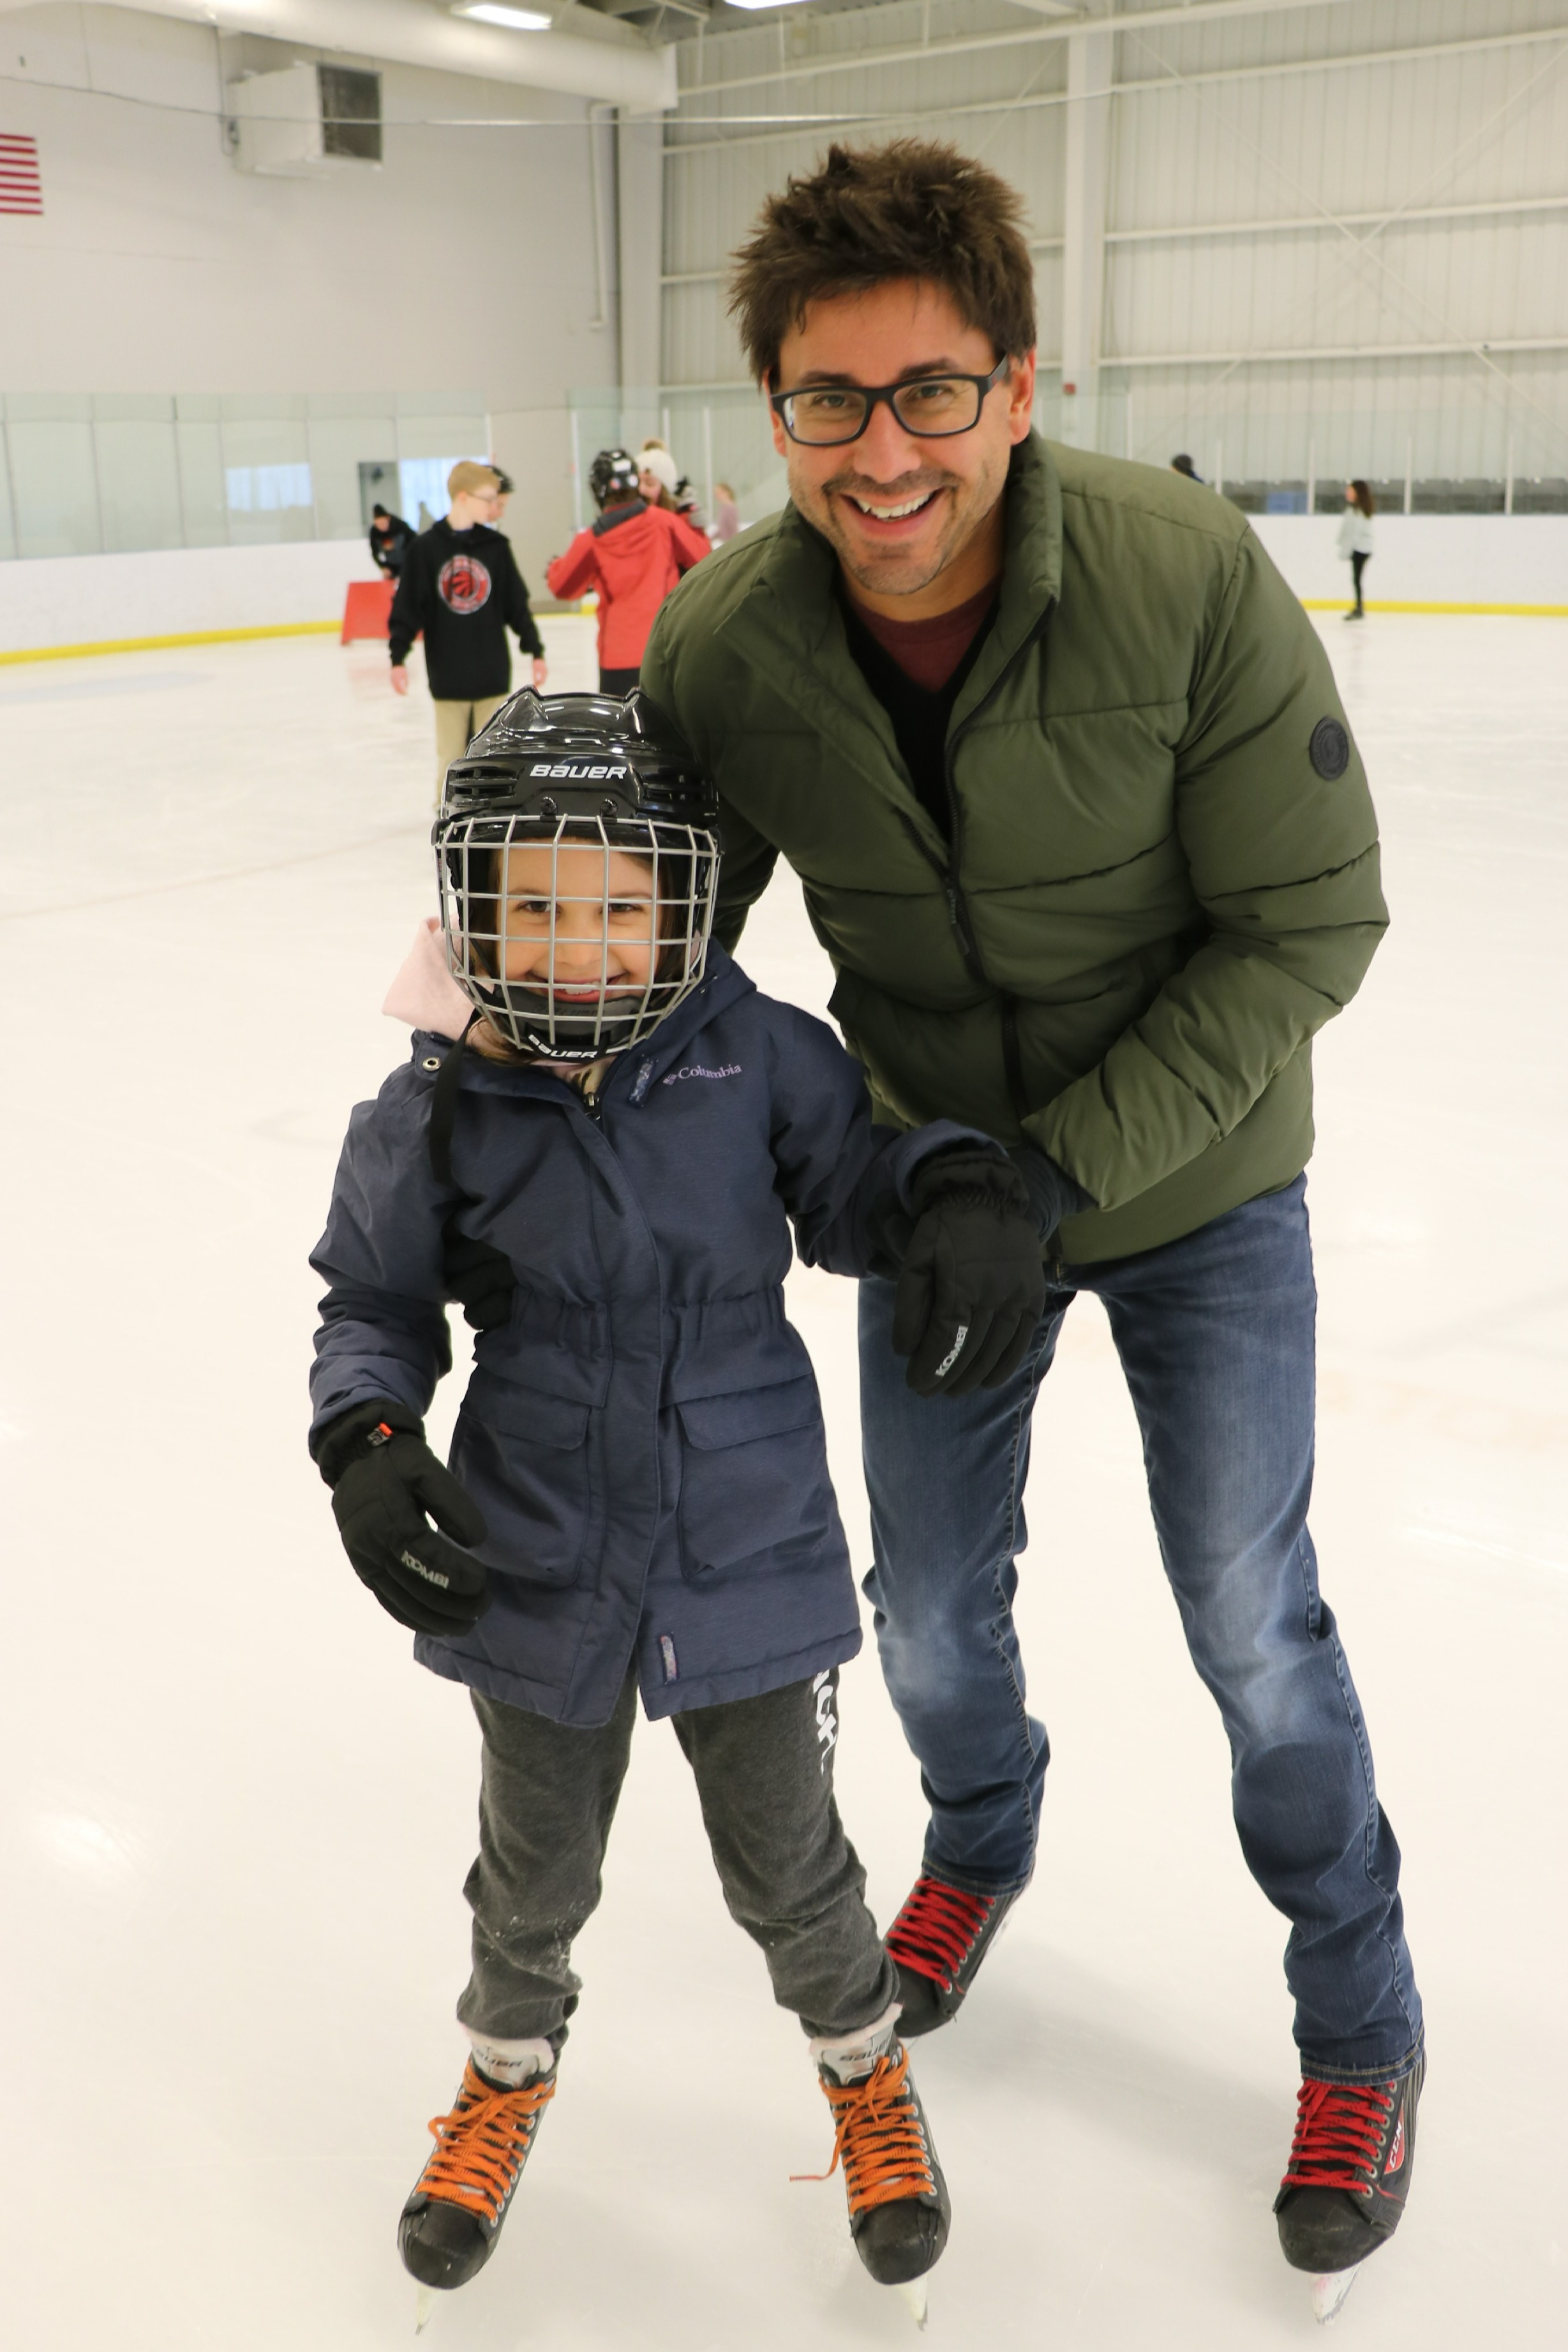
(930, 406)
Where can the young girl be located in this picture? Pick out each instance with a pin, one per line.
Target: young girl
(1355, 538)
(605, 1165)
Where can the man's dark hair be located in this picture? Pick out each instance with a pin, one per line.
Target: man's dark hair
(911, 209)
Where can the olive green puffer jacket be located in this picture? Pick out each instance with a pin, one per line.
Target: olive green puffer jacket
(1163, 876)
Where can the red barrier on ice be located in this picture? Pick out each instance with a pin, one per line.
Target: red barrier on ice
(366, 609)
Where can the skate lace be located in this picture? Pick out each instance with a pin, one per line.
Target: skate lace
(482, 2146)
(1339, 2136)
(936, 1930)
(878, 2138)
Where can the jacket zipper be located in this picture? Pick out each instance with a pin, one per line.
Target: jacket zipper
(952, 887)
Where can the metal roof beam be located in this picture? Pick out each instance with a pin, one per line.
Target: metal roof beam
(1147, 85)
(1134, 20)
(1495, 208)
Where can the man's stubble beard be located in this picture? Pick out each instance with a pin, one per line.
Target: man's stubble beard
(902, 575)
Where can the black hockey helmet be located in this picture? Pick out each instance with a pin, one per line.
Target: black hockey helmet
(613, 470)
(571, 959)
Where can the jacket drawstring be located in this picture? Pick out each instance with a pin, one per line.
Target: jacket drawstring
(444, 1104)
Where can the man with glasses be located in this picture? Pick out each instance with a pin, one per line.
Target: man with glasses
(1060, 760)
(461, 586)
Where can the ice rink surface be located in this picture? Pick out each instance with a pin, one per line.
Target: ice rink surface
(236, 1819)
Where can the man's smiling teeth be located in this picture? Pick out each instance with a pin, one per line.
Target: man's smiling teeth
(895, 514)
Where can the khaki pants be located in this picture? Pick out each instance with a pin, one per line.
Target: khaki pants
(457, 724)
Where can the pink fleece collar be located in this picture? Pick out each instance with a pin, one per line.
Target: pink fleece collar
(424, 994)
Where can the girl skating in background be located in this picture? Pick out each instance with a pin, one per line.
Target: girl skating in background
(637, 1502)
(1355, 538)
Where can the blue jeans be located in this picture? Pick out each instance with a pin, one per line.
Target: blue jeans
(1216, 1337)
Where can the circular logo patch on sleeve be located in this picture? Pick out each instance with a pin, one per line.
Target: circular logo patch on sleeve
(1329, 749)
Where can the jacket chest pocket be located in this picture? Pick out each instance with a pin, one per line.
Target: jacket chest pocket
(754, 1479)
(524, 1457)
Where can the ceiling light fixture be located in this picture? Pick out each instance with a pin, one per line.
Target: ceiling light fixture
(765, 4)
(515, 20)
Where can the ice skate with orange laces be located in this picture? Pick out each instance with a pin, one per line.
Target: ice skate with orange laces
(453, 2218)
(937, 1942)
(899, 2210)
(1345, 2188)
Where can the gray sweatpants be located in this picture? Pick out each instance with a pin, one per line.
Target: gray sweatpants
(764, 1771)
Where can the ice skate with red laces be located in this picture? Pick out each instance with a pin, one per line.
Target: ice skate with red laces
(1344, 2187)
(899, 2208)
(938, 1940)
(453, 2218)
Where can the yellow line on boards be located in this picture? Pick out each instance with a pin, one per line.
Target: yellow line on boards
(189, 638)
(330, 628)
(1342, 605)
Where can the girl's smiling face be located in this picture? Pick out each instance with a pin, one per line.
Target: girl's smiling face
(599, 904)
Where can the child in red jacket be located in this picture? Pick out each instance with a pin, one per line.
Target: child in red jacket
(633, 557)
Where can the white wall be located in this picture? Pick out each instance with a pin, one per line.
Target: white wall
(1428, 558)
(78, 599)
(466, 260)
(75, 599)
(95, 599)
(534, 444)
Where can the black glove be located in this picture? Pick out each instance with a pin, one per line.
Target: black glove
(384, 1478)
(478, 1275)
(1054, 1193)
(972, 1287)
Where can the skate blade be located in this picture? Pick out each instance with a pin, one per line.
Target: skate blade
(1329, 2289)
(423, 2305)
(913, 2294)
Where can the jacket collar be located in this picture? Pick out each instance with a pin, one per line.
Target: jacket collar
(798, 571)
(723, 984)
(792, 608)
(613, 517)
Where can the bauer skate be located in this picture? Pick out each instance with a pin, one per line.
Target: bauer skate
(937, 1943)
(449, 2224)
(899, 2209)
(1344, 2187)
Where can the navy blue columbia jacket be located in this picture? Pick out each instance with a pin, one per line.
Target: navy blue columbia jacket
(643, 1435)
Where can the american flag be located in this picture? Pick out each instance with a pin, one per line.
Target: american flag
(21, 189)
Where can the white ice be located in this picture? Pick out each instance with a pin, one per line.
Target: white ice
(235, 1818)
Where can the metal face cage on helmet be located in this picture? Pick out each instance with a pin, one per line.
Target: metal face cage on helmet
(613, 470)
(578, 860)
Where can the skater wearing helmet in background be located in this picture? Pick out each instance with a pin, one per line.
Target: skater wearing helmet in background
(1060, 762)
(610, 1133)
(630, 558)
(1355, 538)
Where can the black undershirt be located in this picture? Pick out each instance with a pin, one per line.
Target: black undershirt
(920, 716)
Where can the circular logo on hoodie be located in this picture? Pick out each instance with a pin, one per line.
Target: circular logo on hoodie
(464, 583)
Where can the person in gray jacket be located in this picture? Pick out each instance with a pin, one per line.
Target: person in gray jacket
(608, 1129)
(1355, 538)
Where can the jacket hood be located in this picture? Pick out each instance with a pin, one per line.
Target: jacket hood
(423, 992)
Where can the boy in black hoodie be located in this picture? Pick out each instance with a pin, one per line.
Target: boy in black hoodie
(460, 585)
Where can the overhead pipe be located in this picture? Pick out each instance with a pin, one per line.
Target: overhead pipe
(621, 70)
